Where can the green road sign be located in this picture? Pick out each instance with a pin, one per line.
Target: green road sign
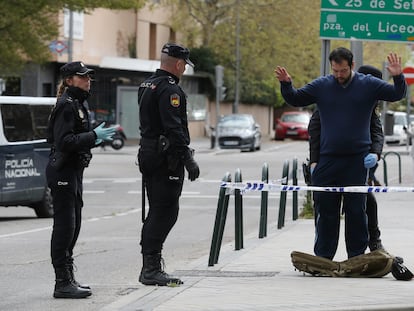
(379, 20)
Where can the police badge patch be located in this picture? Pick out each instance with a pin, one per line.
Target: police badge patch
(175, 100)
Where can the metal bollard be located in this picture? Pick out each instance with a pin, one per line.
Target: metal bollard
(385, 166)
(264, 203)
(295, 193)
(220, 221)
(282, 203)
(238, 213)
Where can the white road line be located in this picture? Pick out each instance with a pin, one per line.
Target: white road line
(25, 232)
(8, 235)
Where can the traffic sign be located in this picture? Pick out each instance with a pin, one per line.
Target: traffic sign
(57, 46)
(377, 20)
(409, 75)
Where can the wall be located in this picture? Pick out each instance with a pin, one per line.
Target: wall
(262, 114)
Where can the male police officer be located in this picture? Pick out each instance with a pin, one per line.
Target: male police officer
(162, 156)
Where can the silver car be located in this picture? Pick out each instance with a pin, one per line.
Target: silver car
(239, 131)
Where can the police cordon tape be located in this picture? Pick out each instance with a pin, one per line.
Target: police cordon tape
(271, 187)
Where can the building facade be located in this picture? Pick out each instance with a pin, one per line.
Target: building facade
(124, 47)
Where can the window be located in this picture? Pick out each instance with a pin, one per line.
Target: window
(25, 122)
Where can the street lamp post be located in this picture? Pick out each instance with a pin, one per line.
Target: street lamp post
(237, 87)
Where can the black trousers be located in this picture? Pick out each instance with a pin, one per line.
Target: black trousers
(163, 185)
(66, 187)
(372, 213)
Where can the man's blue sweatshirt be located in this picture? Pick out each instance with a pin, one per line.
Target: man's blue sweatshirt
(345, 112)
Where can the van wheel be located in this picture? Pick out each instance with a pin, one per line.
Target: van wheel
(44, 208)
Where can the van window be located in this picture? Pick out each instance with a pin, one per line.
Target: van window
(400, 119)
(25, 122)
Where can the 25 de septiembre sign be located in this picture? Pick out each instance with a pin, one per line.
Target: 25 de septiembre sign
(379, 20)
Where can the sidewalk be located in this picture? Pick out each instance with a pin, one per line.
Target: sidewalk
(261, 276)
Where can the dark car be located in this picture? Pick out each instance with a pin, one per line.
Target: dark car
(292, 124)
(239, 131)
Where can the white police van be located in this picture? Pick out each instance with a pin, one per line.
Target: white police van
(24, 152)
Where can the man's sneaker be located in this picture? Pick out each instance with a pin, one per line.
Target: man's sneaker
(375, 244)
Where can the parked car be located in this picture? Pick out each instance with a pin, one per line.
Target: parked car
(292, 124)
(239, 131)
(398, 135)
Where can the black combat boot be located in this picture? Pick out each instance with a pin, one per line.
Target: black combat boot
(65, 288)
(72, 275)
(153, 274)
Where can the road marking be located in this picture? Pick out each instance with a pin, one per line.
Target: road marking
(25, 232)
(8, 235)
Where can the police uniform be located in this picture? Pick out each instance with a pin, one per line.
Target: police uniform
(162, 156)
(72, 138)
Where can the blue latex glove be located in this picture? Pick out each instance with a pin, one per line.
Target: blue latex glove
(104, 133)
(370, 160)
(98, 141)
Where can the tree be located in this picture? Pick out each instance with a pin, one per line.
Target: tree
(26, 26)
(282, 32)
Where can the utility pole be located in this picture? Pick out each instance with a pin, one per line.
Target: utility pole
(237, 88)
(70, 39)
(219, 86)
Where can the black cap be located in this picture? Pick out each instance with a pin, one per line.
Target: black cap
(75, 68)
(177, 51)
(367, 69)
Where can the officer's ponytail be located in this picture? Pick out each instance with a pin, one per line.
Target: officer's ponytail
(61, 88)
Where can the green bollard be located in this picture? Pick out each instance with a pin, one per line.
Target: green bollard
(282, 203)
(220, 221)
(238, 213)
(264, 203)
(385, 166)
(295, 193)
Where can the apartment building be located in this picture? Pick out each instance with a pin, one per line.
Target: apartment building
(123, 46)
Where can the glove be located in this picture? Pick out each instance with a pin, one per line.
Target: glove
(104, 133)
(370, 160)
(191, 166)
(98, 142)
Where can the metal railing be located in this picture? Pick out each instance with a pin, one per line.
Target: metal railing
(386, 169)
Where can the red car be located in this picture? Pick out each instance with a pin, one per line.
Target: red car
(292, 124)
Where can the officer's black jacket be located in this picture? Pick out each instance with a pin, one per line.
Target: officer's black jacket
(314, 130)
(163, 110)
(69, 129)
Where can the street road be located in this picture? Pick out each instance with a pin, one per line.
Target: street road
(108, 252)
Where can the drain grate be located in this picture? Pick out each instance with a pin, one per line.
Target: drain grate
(228, 274)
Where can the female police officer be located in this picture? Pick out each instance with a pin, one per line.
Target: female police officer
(72, 138)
